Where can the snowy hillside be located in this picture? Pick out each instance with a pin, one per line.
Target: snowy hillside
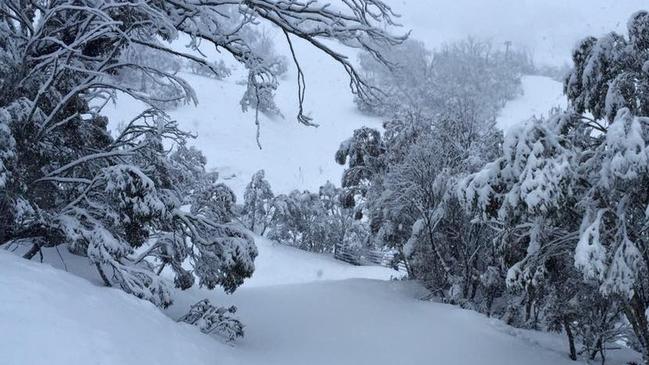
(286, 323)
(295, 156)
(540, 95)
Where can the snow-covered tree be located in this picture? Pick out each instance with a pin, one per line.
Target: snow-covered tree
(316, 222)
(156, 86)
(282, 227)
(405, 81)
(124, 200)
(467, 75)
(442, 246)
(298, 221)
(572, 186)
(344, 230)
(260, 93)
(363, 155)
(258, 199)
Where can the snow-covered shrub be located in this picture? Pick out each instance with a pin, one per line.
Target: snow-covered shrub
(316, 222)
(214, 320)
(297, 221)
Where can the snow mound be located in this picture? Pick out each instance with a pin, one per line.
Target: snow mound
(276, 264)
(49, 316)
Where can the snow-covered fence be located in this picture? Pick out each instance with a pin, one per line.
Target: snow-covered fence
(366, 256)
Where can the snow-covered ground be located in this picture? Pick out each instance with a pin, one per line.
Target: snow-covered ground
(49, 316)
(279, 265)
(302, 309)
(540, 95)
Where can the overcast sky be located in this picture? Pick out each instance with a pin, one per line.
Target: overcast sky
(549, 28)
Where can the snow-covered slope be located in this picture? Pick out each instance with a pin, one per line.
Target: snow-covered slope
(279, 265)
(540, 95)
(48, 316)
(294, 156)
(51, 316)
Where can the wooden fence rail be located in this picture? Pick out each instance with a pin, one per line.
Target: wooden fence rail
(363, 256)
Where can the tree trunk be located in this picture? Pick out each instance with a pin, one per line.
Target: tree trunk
(598, 348)
(411, 275)
(571, 339)
(490, 301)
(103, 275)
(474, 289)
(528, 309)
(431, 237)
(32, 251)
(635, 313)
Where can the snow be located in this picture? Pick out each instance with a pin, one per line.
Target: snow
(298, 319)
(293, 156)
(296, 156)
(299, 308)
(50, 316)
(371, 322)
(279, 265)
(540, 94)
